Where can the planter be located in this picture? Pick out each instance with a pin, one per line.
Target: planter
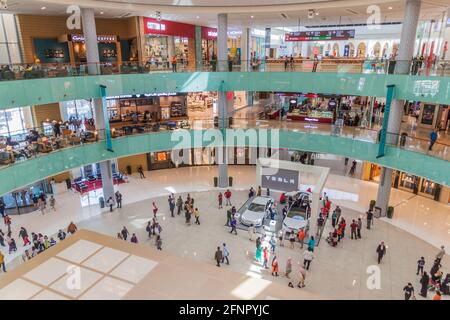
(390, 212)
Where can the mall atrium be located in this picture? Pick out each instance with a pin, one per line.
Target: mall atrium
(224, 150)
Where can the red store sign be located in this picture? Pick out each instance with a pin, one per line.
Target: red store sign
(168, 28)
(209, 33)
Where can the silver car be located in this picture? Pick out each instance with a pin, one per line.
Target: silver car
(257, 211)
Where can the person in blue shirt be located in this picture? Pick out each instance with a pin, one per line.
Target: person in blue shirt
(433, 138)
(311, 244)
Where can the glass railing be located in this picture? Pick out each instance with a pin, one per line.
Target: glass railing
(19, 151)
(335, 65)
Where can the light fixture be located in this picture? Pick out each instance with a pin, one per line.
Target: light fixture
(158, 15)
(390, 8)
(101, 12)
(43, 8)
(198, 17)
(252, 17)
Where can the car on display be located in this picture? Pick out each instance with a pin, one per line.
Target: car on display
(257, 211)
(298, 212)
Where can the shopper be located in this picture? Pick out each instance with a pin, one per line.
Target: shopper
(24, 235)
(2, 208)
(158, 243)
(292, 239)
(52, 202)
(258, 252)
(179, 205)
(424, 281)
(353, 168)
(288, 267)
(2, 261)
(110, 204)
(440, 254)
(72, 228)
(273, 244)
(218, 256)
(220, 199)
(118, 199)
(359, 227)
(233, 225)
(134, 238)
(353, 227)
(433, 138)
(258, 193)
(61, 235)
(251, 231)
(369, 217)
(275, 266)
(141, 172)
(251, 193)
(381, 251)
(41, 205)
(227, 195)
(155, 209)
(197, 216)
(172, 204)
(280, 238)
(311, 244)
(229, 215)
(302, 277)
(320, 225)
(409, 291)
(308, 256)
(265, 257)
(174, 63)
(301, 237)
(125, 233)
(420, 265)
(225, 254)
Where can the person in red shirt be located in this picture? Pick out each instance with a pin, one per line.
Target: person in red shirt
(228, 197)
(283, 198)
(354, 227)
(155, 209)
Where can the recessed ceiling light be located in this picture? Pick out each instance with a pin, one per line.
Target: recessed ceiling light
(43, 8)
(101, 12)
(252, 17)
(317, 13)
(390, 8)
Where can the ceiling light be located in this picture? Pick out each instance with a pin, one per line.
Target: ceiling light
(198, 17)
(252, 17)
(390, 8)
(43, 8)
(317, 13)
(101, 12)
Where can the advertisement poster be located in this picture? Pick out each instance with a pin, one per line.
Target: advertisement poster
(428, 114)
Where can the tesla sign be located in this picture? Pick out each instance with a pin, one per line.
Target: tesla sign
(283, 180)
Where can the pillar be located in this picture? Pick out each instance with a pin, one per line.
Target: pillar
(90, 35)
(403, 62)
(198, 48)
(245, 59)
(267, 43)
(222, 57)
(170, 47)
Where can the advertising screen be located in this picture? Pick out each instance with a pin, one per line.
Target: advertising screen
(283, 180)
(320, 35)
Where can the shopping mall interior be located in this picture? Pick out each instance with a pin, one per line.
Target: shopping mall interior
(224, 150)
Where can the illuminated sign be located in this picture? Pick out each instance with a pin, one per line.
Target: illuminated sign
(81, 38)
(320, 35)
(311, 119)
(156, 26)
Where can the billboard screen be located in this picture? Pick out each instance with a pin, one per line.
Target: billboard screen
(283, 180)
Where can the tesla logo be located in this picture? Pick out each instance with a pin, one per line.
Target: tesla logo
(280, 179)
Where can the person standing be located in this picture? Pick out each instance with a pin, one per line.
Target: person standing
(275, 266)
(2, 208)
(353, 227)
(320, 225)
(424, 281)
(2, 261)
(119, 199)
(233, 225)
(440, 254)
(158, 243)
(134, 238)
(72, 228)
(251, 231)
(420, 265)
(308, 256)
(359, 227)
(110, 204)
(226, 254)
(258, 252)
(174, 63)
(227, 195)
(311, 244)
(171, 201)
(197, 216)
(266, 258)
(179, 205)
(288, 267)
(155, 209)
(334, 219)
(273, 244)
(41, 205)
(258, 193)
(369, 217)
(220, 200)
(433, 138)
(124, 233)
(292, 239)
(218, 256)
(301, 237)
(61, 235)
(409, 291)
(381, 251)
(52, 203)
(24, 235)
(353, 168)
(141, 172)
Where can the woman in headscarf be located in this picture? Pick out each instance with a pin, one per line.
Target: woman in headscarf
(288, 267)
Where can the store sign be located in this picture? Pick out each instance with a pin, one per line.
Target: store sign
(169, 28)
(283, 180)
(160, 94)
(320, 35)
(211, 33)
(80, 38)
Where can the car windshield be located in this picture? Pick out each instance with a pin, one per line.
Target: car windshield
(256, 207)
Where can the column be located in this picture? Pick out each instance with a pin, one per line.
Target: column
(245, 59)
(170, 47)
(198, 48)
(90, 35)
(222, 57)
(267, 43)
(403, 61)
(90, 39)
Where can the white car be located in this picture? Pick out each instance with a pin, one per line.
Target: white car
(257, 211)
(296, 217)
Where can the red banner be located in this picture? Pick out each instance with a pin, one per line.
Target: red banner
(209, 33)
(168, 28)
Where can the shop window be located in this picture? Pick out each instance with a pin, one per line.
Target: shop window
(12, 122)
(9, 43)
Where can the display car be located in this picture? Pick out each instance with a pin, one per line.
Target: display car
(257, 211)
(298, 213)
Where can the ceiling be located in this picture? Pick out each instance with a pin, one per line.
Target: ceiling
(248, 13)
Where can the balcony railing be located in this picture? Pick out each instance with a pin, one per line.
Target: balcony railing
(378, 66)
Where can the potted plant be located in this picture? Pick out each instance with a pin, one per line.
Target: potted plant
(372, 204)
(390, 212)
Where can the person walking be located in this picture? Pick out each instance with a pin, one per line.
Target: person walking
(420, 266)
(2, 239)
(301, 237)
(353, 227)
(197, 216)
(352, 168)
(155, 209)
(308, 256)
(220, 200)
(188, 213)
(273, 244)
(288, 267)
(369, 217)
(141, 172)
(381, 251)
(124, 233)
(424, 281)
(158, 243)
(134, 238)
(311, 244)
(292, 239)
(440, 254)
(118, 199)
(265, 258)
(334, 219)
(2, 208)
(171, 201)
(433, 138)
(233, 225)
(320, 225)
(227, 195)
(226, 253)
(258, 252)
(302, 277)
(52, 202)
(110, 204)
(229, 215)
(24, 235)
(280, 238)
(409, 291)
(179, 205)
(251, 231)
(275, 266)
(41, 205)
(218, 256)
(358, 228)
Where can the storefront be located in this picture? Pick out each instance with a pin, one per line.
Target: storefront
(209, 44)
(109, 48)
(24, 200)
(166, 39)
(428, 116)
(202, 105)
(310, 108)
